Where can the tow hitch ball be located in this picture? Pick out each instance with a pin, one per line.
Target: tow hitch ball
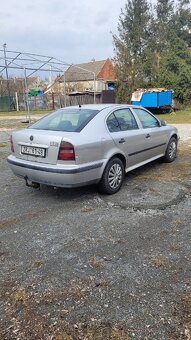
(34, 185)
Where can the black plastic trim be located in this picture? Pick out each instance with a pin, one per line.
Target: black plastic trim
(153, 147)
(57, 171)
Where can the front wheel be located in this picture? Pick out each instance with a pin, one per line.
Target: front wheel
(171, 150)
(113, 176)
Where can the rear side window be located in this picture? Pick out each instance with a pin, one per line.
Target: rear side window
(121, 120)
(68, 120)
(147, 120)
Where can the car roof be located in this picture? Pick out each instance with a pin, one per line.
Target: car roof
(98, 106)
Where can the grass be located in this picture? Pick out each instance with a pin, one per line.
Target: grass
(36, 264)
(157, 261)
(174, 247)
(96, 263)
(3, 145)
(178, 117)
(89, 332)
(102, 283)
(179, 222)
(8, 222)
(23, 113)
(20, 296)
(186, 311)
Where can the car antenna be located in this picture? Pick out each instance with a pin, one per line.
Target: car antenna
(79, 103)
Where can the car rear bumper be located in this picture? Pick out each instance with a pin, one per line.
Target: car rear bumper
(56, 175)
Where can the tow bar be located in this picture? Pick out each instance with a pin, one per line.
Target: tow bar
(34, 185)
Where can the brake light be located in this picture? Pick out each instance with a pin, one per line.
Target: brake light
(11, 144)
(66, 152)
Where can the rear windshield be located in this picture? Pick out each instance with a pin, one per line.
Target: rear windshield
(69, 120)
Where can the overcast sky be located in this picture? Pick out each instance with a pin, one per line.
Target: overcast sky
(75, 30)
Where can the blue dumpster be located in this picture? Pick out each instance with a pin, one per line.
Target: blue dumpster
(155, 101)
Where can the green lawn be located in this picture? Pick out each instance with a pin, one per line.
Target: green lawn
(24, 113)
(178, 117)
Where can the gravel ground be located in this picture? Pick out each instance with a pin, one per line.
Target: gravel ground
(79, 265)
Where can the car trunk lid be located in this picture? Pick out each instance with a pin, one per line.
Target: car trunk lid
(40, 146)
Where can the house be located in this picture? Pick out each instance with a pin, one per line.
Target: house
(94, 76)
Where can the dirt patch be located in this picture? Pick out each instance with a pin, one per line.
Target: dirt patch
(183, 313)
(79, 265)
(186, 314)
(29, 321)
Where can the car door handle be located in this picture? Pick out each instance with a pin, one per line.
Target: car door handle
(148, 135)
(122, 140)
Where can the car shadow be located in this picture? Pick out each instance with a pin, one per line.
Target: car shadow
(91, 191)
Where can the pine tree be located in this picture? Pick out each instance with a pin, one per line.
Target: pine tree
(133, 31)
(153, 48)
(175, 64)
(182, 21)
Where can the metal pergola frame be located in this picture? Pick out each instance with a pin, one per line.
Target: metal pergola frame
(31, 63)
(21, 60)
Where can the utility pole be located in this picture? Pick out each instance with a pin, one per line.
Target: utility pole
(7, 76)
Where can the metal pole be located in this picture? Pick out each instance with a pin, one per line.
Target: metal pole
(64, 90)
(7, 76)
(53, 101)
(17, 101)
(94, 89)
(24, 95)
(28, 119)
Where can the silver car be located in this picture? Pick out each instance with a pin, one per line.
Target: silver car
(78, 146)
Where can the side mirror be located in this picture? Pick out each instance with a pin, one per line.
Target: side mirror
(163, 123)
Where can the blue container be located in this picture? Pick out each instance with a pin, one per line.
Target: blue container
(161, 99)
(165, 98)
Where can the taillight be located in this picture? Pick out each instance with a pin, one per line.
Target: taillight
(66, 152)
(11, 144)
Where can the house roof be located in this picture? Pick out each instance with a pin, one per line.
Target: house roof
(83, 72)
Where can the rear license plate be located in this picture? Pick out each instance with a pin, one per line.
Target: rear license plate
(33, 151)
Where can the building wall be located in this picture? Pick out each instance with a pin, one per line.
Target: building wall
(84, 86)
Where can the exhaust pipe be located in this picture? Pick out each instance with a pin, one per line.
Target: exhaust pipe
(34, 185)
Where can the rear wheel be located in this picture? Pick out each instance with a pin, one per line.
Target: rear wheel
(171, 150)
(113, 176)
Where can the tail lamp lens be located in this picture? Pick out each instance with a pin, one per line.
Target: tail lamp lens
(66, 152)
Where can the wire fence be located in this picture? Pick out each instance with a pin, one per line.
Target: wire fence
(50, 101)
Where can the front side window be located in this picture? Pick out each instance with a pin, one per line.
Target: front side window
(69, 120)
(147, 120)
(121, 120)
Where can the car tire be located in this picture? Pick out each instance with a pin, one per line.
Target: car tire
(171, 150)
(113, 177)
